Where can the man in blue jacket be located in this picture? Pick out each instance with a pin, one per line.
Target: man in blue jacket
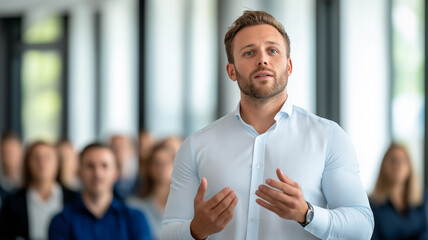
(98, 214)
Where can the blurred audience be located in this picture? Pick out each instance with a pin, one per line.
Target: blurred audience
(69, 165)
(173, 142)
(152, 200)
(146, 142)
(398, 202)
(125, 151)
(98, 214)
(11, 164)
(27, 213)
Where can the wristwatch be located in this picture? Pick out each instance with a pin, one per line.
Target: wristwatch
(309, 215)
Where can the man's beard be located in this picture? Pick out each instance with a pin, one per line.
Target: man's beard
(248, 87)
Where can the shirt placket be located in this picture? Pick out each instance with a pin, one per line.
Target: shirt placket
(257, 172)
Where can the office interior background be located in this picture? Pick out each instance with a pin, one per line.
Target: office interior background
(87, 69)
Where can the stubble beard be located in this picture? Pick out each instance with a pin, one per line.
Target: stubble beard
(249, 88)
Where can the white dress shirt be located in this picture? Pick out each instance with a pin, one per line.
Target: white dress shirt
(314, 152)
(40, 212)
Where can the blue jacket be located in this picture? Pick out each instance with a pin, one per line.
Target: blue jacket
(14, 213)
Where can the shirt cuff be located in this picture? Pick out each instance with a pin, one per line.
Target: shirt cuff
(185, 230)
(320, 224)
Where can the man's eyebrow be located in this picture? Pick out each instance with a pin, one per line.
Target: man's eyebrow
(247, 46)
(252, 44)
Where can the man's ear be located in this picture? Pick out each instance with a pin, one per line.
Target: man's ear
(289, 66)
(230, 67)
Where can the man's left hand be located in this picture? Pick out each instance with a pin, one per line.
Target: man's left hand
(284, 197)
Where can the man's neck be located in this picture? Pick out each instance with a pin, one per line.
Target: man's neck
(97, 204)
(13, 177)
(260, 113)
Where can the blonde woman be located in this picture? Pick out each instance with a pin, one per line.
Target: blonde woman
(153, 198)
(397, 201)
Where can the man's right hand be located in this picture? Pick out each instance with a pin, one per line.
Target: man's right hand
(213, 215)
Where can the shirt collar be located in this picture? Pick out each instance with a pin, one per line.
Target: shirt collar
(55, 196)
(115, 206)
(286, 109)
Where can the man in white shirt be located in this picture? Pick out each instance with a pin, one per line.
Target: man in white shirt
(295, 174)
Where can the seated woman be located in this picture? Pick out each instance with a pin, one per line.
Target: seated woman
(398, 204)
(27, 213)
(153, 199)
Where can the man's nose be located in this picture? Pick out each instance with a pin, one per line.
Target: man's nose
(262, 60)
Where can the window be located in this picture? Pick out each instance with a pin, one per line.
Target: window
(43, 80)
(408, 61)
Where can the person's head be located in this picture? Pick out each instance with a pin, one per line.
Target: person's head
(146, 143)
(159, 168)
(11, 153)
(98, 169)
(123, 147)
(253, 18)
(396, 170)
(173, 142)
(69, 162)
(41, 164)
(258, 51)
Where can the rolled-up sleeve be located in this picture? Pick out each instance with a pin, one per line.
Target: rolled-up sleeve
(349, 215)
(184, 185)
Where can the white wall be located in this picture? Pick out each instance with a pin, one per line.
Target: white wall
(81, 76)
(119, 59)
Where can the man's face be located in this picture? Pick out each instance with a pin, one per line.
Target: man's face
(260, 66)
(43, 164)
(11, 156)
(98, 171)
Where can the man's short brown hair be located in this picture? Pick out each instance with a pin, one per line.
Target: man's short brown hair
(98, 145)
(252, 18)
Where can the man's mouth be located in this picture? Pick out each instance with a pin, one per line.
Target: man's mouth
(263, 75)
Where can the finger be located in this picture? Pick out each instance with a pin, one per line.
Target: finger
(282, 186)
(228, 213)
(284, 178)
(276, 198)
(268, 206)
(227, 220)
(200, 195)
(212, 202)
(224, 203)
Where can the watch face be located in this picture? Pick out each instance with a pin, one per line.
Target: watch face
(309, 216)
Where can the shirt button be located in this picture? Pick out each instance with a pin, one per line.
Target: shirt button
(252, 219)
(258, 140)
(258, 165)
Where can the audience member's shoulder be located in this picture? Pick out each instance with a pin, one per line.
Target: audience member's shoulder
(69, 195)
(15, 199)
(128, 208)
(130, 211)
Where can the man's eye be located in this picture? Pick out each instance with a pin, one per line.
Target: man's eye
(248, 53)
(273, 51)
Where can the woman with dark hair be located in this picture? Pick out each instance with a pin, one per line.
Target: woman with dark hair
(398, 202)
(155, 192)
(27, 213)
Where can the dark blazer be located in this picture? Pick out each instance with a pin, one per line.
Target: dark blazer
(14, 214)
